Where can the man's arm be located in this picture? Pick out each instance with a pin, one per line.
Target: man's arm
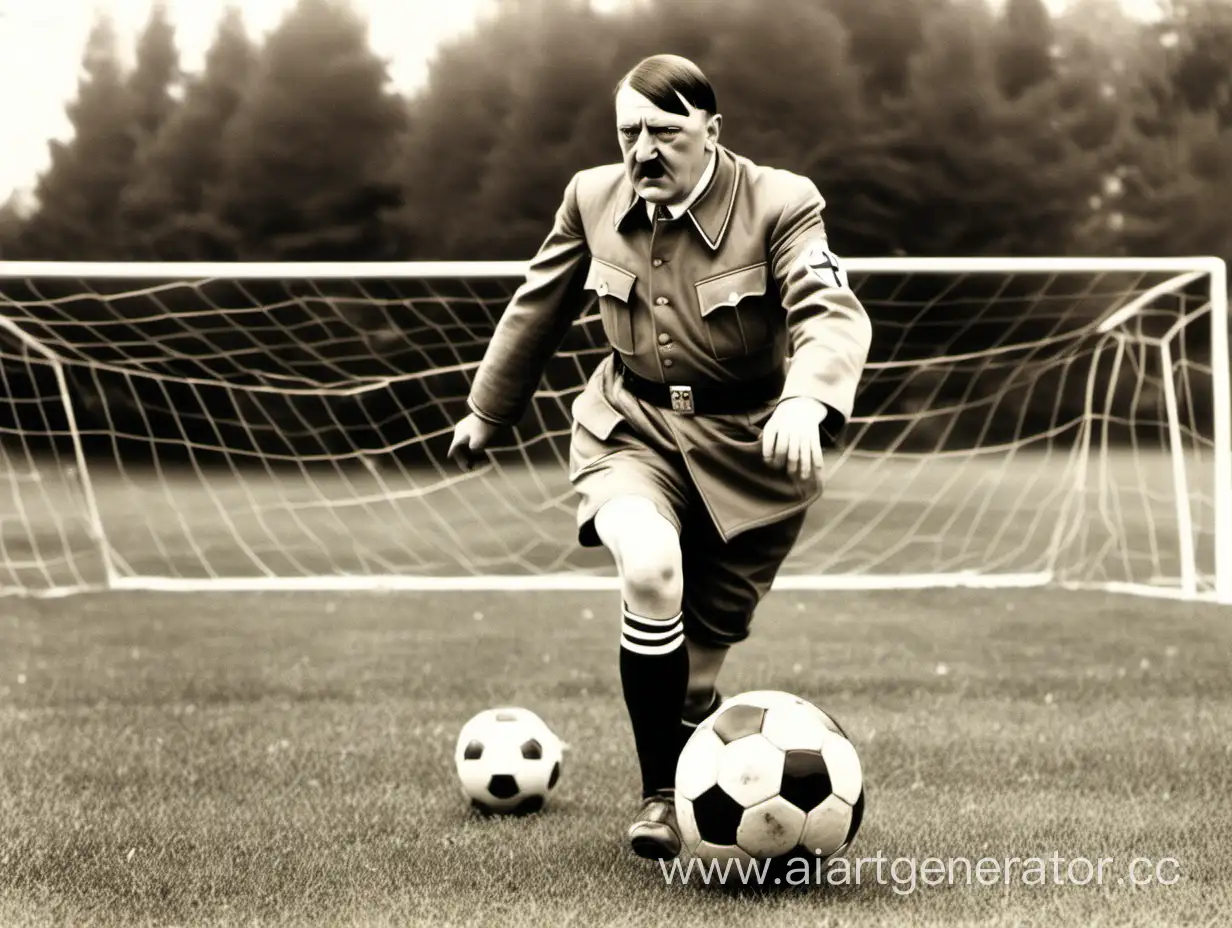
(536, 321)
(830, 331)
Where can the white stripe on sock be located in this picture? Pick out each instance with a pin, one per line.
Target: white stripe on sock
(678, 617)
(638, 635)
(652, 650)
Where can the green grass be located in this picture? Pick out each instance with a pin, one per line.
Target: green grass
(285, 759)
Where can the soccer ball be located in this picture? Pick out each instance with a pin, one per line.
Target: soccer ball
(508, 760)
(768, 776)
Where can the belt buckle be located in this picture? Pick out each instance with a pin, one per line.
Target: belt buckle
(682, 399)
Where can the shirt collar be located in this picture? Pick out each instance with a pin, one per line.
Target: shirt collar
(716, 202)
(676, 210)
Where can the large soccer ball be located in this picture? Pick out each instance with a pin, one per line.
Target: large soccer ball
(768, 776)
(508, 761)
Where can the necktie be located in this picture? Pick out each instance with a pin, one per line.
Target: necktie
(661, 214)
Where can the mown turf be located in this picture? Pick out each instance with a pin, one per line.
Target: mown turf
(286, 759)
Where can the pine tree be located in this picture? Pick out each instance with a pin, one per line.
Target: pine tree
(455, 122)
(155, 81)
(306, 157)
(79, 192)
(557, 119)
(1025, 47)
(165, 205)
(960, 169)
(12, 225)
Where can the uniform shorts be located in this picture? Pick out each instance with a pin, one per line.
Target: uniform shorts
(615, 454)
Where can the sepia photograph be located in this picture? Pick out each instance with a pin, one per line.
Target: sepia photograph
(615, 463)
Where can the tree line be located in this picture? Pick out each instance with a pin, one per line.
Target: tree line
(935, 127)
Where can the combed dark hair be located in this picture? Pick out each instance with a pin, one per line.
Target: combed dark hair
(660, 78)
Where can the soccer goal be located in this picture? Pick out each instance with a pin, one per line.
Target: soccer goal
(1023, 422)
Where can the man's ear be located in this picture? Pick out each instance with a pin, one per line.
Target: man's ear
(713, 128)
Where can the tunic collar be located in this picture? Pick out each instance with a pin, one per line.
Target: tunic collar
(710, 212)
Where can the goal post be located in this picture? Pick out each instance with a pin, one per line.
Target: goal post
(190, 426)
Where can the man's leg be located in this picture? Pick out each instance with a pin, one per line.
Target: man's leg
(654, 662)
(725, 583)
(701, 696)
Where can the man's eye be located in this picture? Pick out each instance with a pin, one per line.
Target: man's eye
(667, 132)
(630, 134)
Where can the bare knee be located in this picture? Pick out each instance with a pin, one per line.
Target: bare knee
(652, 582)
(646, 548)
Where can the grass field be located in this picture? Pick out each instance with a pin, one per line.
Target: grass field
(285, 759)
(230, 759)
(1033, 509)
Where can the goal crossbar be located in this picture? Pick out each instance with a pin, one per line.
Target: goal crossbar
(343, 270)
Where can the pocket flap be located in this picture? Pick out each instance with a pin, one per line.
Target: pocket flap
(730, 288)
(609, 280)
(594, 413)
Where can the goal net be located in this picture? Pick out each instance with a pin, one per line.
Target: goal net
(190, 426)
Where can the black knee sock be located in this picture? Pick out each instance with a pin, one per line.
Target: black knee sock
(654, 674)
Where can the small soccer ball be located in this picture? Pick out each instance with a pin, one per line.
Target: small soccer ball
(768, 776)
(508, 761)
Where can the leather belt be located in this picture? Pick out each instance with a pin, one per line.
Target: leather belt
(713, 399)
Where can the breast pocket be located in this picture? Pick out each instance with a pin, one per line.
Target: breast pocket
(735, 311)
(614, 288)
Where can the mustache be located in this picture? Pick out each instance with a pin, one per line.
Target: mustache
(649, 169)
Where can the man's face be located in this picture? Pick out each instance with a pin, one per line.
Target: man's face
(664, 153)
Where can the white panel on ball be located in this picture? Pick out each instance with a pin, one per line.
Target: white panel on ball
(698, 766)
(794, 728)
(771, 828)
(825, 829)
(843, 764)
(751, 770)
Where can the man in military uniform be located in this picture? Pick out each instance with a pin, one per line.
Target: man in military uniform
(696, 447)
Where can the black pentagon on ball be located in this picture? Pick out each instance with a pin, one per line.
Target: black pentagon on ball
(739, 722)
(473, 751)
(806, 779)
(532, 750)
(555, 775)
(503, 786)
(717, 816)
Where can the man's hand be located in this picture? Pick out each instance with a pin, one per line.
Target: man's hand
(470, 437)
(792, 437)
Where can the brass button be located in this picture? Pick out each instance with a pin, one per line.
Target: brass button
(657, 262)
(664, 338)
(661, 301)
(602, 288)
(668, 362)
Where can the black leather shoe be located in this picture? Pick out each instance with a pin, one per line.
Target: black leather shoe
(654, 834)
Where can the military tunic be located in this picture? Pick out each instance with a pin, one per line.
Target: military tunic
(740, 287)
(721, 294)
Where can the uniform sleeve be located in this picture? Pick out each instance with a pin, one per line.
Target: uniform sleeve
(829, 328)
(535, 322)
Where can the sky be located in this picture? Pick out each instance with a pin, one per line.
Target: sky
(41, 42)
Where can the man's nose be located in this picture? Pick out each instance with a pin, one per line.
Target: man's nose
(645, 149)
